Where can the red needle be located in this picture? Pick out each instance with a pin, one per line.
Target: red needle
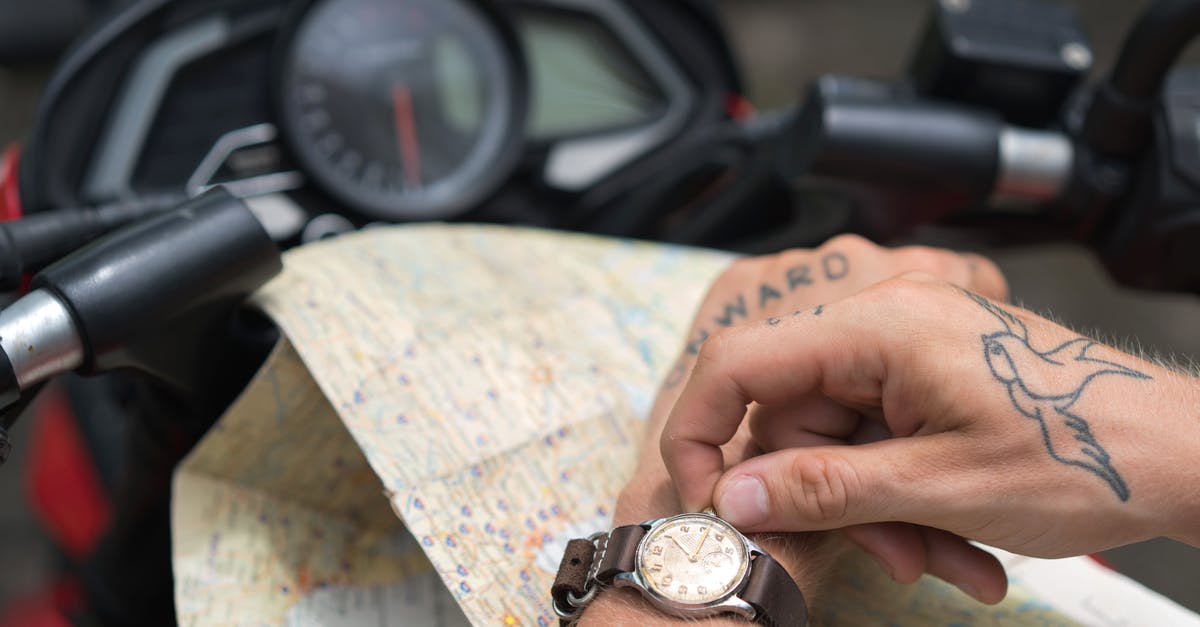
(406, 133)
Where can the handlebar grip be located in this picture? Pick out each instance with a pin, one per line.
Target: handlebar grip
(911, 144)
(209, 249)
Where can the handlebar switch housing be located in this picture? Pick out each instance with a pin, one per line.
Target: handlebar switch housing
(1152, 239)
(1020, 58)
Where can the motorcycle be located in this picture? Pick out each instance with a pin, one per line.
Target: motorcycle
(626, 118)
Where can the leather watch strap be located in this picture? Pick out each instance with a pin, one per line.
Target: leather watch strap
(618, 556)
(603, 559)
(573, 571)
(774, 594)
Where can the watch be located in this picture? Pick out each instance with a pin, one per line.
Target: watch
(690, 565)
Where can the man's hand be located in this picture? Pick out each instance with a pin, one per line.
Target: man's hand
(971, 417)
(771, 288)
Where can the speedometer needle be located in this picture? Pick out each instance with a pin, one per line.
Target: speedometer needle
(406, 134)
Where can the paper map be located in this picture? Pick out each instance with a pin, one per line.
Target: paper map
(451, 405)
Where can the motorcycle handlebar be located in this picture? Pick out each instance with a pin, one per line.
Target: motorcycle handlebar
(941, 149)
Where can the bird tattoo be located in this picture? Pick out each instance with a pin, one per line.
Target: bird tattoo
(1044, 385)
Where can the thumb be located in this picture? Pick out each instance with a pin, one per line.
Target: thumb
(829, 487)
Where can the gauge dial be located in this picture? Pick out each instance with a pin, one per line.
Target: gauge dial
(403, 109)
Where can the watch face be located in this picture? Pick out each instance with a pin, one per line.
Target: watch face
(692, 559)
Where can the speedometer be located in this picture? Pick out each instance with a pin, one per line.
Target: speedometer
(403, 109)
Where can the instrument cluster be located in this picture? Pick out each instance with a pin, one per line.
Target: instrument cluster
(332, 114)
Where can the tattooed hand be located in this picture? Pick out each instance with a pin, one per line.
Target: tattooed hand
(772, 288)
(769, 290)
(972, 420)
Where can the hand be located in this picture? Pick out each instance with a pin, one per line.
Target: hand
(1001, 427)
(762, 288)
(773, 287)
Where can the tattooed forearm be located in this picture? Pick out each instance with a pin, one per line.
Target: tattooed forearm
(1044, 385)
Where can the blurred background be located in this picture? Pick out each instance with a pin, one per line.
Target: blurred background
(781, 46)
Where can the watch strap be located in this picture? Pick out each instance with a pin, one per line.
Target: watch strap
(587, 565)
(619, 552)
(573, 572)
(774, 595)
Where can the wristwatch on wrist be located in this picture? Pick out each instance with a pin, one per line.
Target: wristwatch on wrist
(690, 565)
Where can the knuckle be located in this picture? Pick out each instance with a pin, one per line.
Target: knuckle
(936, 262)
(790, 257)
(739, 270)
(821, 487)
(896, 289)
(851, 243)
(989, 273)
(915, 280)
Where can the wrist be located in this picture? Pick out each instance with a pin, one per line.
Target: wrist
(1164, 424)
(650, 494)
(1180, 470)
(807, 557)
(626, 606)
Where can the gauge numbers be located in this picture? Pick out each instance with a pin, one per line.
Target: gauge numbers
(404, 109)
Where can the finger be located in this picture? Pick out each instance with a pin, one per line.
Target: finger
(966, 270)
(898, 547)
(970, 568)
(832, 487)
(813, 421)
(986, 278)
(872, 428)
(744, 364)
(906, 551)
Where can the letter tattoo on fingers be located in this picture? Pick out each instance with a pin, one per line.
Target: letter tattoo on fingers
(733, 310)
(1044, 385)
(831, 267)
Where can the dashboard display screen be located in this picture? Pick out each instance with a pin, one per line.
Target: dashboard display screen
(583, 79)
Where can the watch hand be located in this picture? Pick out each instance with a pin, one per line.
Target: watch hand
(695, 556)
(672, 539)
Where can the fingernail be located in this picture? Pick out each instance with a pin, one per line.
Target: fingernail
(743, 502)
(887, 568)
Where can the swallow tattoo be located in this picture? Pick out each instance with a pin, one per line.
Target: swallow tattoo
(1043, 386)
